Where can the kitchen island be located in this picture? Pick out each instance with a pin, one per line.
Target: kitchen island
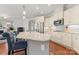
(38, 43)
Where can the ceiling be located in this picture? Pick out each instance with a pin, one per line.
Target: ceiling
(32, 10)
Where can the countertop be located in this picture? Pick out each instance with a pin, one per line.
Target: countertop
(72, 32)
(34, 36)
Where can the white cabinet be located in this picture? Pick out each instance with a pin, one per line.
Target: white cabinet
(49, 21)
(67, 41)
(58, 15)
(48, 24)
(57, 37)
(71, 16)
(38, 24)
(39, 19)
(67, 17)
(75, 15)
(76, 42)
(62, 38)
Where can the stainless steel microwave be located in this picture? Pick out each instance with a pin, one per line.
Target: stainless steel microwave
(59, 22)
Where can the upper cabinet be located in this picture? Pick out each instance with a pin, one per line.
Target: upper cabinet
(48, 24)
(39, 19)
(39, 24)
(71, 15)
(58, 13)
(48, 21)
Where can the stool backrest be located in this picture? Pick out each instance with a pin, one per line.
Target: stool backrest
(7, 36)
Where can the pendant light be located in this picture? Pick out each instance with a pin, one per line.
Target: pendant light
(24, 12)
(23, 15)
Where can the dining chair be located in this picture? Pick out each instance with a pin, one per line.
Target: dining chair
(15, 45)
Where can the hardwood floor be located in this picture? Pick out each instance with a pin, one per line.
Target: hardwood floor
(55, 49)
(4, 50)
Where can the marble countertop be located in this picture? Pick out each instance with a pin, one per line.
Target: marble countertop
(34, 36)
(72, 32)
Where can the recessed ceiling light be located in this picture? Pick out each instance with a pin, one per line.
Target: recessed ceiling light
(37, 8)
(49, 4)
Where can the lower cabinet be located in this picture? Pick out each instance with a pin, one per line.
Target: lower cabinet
(70, 40)
(67, 41)
(63, 38)
(76, 42)
(57, 37)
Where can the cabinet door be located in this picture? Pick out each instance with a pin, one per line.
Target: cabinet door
(55, 16)
(48, 22)
(67, 39)
(76, 42)
(71, 16)
(64, 39)
(57, 37)
(74, 37)
(58, 13)
(67, 17)
(75, 15)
